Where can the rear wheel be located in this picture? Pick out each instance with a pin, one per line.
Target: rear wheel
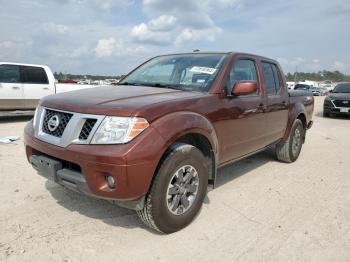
(178, 189)
(289, 150)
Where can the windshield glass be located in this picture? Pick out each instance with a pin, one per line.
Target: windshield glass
(342, 88)
(190, 72)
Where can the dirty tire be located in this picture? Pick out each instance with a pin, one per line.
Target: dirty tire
(288, 151)
(156, 213)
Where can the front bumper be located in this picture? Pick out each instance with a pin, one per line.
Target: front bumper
(336, 111)
(84, 168)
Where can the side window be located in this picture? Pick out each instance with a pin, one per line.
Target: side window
(243, 70)
(34, 75)
(277, 78)
(271, 78)
(9, 74)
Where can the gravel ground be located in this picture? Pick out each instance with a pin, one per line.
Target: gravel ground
(262, 210)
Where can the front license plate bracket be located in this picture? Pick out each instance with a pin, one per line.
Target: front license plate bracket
(45, 166)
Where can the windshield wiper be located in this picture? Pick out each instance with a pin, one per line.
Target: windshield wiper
(127, 84)
(177, 87)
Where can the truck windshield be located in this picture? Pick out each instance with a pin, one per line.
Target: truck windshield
(190, 72)
(342, 88)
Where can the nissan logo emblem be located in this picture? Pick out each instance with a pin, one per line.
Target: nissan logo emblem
(53, 123)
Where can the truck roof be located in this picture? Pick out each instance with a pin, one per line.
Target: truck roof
(220, 52)
(22, 64)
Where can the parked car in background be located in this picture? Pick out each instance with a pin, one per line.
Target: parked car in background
(323, 91)
(302, 87)
(154, 143)
(290, 85)
(23, 85)
(315, 91)
(338, 101)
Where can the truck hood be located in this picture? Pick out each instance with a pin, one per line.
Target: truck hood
(120, 100)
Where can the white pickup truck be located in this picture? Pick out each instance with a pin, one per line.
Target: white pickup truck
(23, 85)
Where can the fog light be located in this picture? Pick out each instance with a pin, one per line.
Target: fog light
(110, 181)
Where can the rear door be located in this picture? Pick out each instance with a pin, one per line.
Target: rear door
(35, 85)
(11, 88)
(276, 102)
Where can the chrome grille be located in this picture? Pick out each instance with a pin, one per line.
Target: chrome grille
(87, 127)
(342, 103)
(63, 118)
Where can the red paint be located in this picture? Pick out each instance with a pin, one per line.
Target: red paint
(234, 126)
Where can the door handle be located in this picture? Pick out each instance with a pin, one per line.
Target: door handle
(15, 87)
(45, 88)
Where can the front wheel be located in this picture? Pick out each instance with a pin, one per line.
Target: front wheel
(178, 189)
(289, 150)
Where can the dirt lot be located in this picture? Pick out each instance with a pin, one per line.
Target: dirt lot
(262, 210)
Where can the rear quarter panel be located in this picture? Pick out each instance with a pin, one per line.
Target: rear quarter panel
(299, 105)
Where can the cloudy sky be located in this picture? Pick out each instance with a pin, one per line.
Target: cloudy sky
(112, 36)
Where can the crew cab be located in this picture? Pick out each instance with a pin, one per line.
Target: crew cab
(23, 85)
(155, 141)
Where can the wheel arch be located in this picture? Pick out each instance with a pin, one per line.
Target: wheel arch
(297, 111)
(195, 130)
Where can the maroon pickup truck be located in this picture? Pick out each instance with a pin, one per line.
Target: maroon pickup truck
(155, 141)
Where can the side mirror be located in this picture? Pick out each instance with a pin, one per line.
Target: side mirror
(244, 88)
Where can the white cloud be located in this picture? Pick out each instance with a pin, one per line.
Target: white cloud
(297, 61)
(180, 21)
(162, 23)
(54, 28)
(6, 45)
(188, 34)
(13, 50)
(314, 65)
(107, 5)
(339, 66)
(142, 33)
(73, 29)
(106, 47)
(219, 5)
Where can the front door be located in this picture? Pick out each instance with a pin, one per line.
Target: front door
(11, 88)
(243, 129)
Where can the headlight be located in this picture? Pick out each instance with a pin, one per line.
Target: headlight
(35, 118)
(119, 130)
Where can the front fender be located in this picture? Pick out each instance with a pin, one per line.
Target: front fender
(177, 124)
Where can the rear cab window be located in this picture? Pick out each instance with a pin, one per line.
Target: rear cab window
(34, 75)
(271, 78)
